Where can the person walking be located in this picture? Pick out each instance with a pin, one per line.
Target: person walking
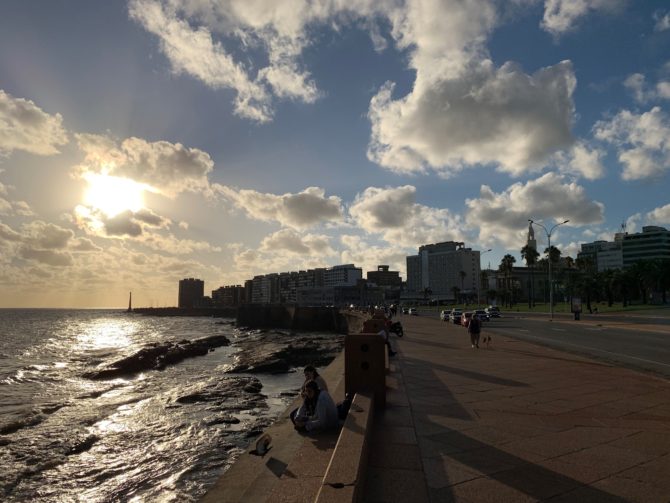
(474, 329)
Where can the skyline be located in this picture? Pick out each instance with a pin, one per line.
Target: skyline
(148, 141)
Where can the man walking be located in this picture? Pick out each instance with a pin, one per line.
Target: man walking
(474, 329)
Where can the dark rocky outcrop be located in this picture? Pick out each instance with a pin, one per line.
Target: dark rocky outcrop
(279, 352)
(158, 356)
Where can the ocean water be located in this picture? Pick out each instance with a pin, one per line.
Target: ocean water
(67, 438)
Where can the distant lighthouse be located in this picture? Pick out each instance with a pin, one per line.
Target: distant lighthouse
(130, 302)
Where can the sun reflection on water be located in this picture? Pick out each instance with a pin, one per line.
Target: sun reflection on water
(107, 334)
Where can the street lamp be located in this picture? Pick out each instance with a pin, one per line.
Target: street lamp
(551, 285)
(479, 282)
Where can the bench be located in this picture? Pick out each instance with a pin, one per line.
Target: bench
(345, 476)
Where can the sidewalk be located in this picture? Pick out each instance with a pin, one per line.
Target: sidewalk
(515, 423)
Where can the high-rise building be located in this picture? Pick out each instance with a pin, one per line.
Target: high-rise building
(603, 255)
(440, 267)
(342, 275)
(191, 291)
(650, 244)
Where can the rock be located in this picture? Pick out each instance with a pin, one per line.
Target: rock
(158, 356)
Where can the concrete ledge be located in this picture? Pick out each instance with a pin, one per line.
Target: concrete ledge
(344, 479)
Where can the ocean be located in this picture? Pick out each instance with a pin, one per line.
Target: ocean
(137, 438)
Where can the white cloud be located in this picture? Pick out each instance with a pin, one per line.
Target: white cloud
(503, 217)
(168, 168)
(643, 93)
(301, 210)
(188, 34)
(561, 16)
(48, 257)
(642, 142)
(463, 110)
(659, 216)
(25, 126)
(290, 241)
(394, 214)
(368, 256)
(662, 21)
(581, 160)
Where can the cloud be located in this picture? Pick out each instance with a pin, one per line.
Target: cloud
(473, 114)
(659, 216)
(304, 209)
(25, 126)
(662, 21)
(368, 256)
(290, 241)
(643, 93)
(642, 142)
(46, 235)
(503, 217)
(394, 214)
(561, 16)
(581, 160)
(194, 51)
(48, 257)
(168, 168)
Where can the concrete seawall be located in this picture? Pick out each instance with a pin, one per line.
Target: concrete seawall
(328, 319)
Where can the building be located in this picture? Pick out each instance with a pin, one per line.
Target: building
(311, 287)
(439, 269)
(228, 296)
(191, 292)
(342, 275)
(385, 278)
(653, 243)
(603, 255)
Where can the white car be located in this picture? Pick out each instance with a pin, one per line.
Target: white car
(413, 311)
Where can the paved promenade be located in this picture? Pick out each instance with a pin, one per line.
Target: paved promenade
(515, 423)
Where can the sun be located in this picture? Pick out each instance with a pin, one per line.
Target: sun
(113, 195)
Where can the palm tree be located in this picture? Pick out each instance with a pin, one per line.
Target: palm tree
(506, 266)
(455, 291)
(530, 255)
(554, 256)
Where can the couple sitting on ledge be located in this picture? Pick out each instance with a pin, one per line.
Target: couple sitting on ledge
(318, 412)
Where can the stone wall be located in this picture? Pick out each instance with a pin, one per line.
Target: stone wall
(291, 317)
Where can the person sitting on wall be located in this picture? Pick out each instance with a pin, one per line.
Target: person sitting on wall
(311, 374)
(318, 413)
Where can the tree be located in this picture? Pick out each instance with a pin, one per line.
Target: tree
(554, 256)
(530, 255)
(455, 290)
(506, 267)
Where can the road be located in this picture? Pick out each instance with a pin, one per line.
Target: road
(640, 342)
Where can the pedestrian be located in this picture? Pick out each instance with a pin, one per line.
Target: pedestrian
(474, 329)
(322, 417)
(310, 375)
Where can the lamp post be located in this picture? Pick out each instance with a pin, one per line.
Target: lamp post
(479, 282)
(551, 285)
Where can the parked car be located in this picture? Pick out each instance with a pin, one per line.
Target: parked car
(465, 319)
(413, 311)
(493, 311)
(455, 316)
(482, 314)
(444, 315)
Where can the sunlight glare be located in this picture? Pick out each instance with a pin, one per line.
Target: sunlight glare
(113, 195)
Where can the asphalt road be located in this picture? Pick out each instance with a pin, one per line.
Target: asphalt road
(639, 342)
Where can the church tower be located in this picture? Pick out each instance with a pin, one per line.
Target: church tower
(531, 237)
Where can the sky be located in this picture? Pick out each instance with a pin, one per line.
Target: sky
(146, 141)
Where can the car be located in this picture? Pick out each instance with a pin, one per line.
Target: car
(455, 316)
(444, 315)
(413, 311)
(482, 314)
(493, 311)
(405, 310)
(465, 319)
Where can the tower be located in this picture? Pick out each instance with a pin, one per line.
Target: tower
(530, 242)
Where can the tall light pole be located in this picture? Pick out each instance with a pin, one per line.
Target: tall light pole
(551, 285)
(479, 282)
